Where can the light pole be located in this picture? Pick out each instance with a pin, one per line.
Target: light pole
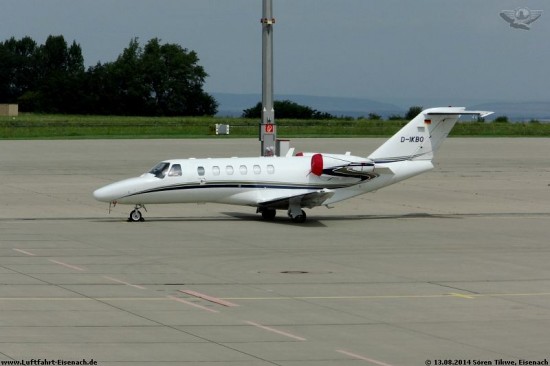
(268, 128)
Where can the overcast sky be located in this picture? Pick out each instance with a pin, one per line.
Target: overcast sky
(399, 51)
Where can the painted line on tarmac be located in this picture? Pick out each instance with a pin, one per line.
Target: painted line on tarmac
(462, 296)
(263, 298)
(363, 358)
(24, 251)
(192, 304)
(215, 300)
(67, 265)
(124, 282)
(377, 297)
(366, 297)
(273, 330)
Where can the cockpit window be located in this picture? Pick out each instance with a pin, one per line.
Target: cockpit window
(175, 171)
(160, 170)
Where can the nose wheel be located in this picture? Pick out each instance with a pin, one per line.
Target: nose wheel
(135, 214)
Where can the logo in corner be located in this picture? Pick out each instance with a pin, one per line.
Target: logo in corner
(520, 18)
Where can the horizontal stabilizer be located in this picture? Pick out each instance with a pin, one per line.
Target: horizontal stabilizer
(457, 111)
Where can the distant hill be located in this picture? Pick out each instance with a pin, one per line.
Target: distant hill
(234, 104)
(521, 111)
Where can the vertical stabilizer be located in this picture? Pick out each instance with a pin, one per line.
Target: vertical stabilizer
(421, 137)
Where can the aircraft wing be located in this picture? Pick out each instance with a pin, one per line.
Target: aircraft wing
(508, 15)
(308, 200)
(535, 14)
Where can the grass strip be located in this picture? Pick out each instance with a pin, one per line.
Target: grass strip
(39, 126)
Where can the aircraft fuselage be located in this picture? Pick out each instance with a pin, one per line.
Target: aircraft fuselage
(291, 183)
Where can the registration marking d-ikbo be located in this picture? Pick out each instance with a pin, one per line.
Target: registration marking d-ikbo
(415, 139)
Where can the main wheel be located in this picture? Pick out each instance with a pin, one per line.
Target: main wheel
(135, 216)
(268, 214)
(300, 219)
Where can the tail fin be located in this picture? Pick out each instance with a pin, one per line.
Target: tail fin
(421, 137)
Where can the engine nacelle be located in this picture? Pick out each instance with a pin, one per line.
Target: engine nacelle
(317, 164)
(362, 167)
(340, 165)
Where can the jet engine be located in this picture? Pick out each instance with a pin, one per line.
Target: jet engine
(340, 165)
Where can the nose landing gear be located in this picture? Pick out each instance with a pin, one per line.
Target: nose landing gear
(135, 214)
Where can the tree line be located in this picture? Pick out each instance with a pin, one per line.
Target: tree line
(288, 109)
(154, 80)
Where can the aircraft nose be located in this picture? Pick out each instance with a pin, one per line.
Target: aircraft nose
(118, 190)
(104, 194)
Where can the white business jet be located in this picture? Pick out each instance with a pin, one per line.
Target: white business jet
(289, 183)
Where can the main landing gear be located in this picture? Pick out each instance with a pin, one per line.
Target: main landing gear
(296, 214)
(135, 214)
(298, 218)
(268, 214)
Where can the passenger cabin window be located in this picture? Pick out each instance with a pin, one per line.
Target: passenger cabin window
(243, 169)
(229, 170)
(270, 169)
(160, 170)
(175, 171)
(216, 170)
(200, 170)
(257, 169)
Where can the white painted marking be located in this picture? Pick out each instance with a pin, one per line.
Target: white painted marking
(23, 251)
(192, 304)
(67, 265)
(461, 295)
(209, 298)
(363, 358)
(276, 331)
(124, 282)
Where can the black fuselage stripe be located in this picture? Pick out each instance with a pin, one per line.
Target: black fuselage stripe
(235, 185)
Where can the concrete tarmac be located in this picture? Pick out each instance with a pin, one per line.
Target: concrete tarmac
(452, 265)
